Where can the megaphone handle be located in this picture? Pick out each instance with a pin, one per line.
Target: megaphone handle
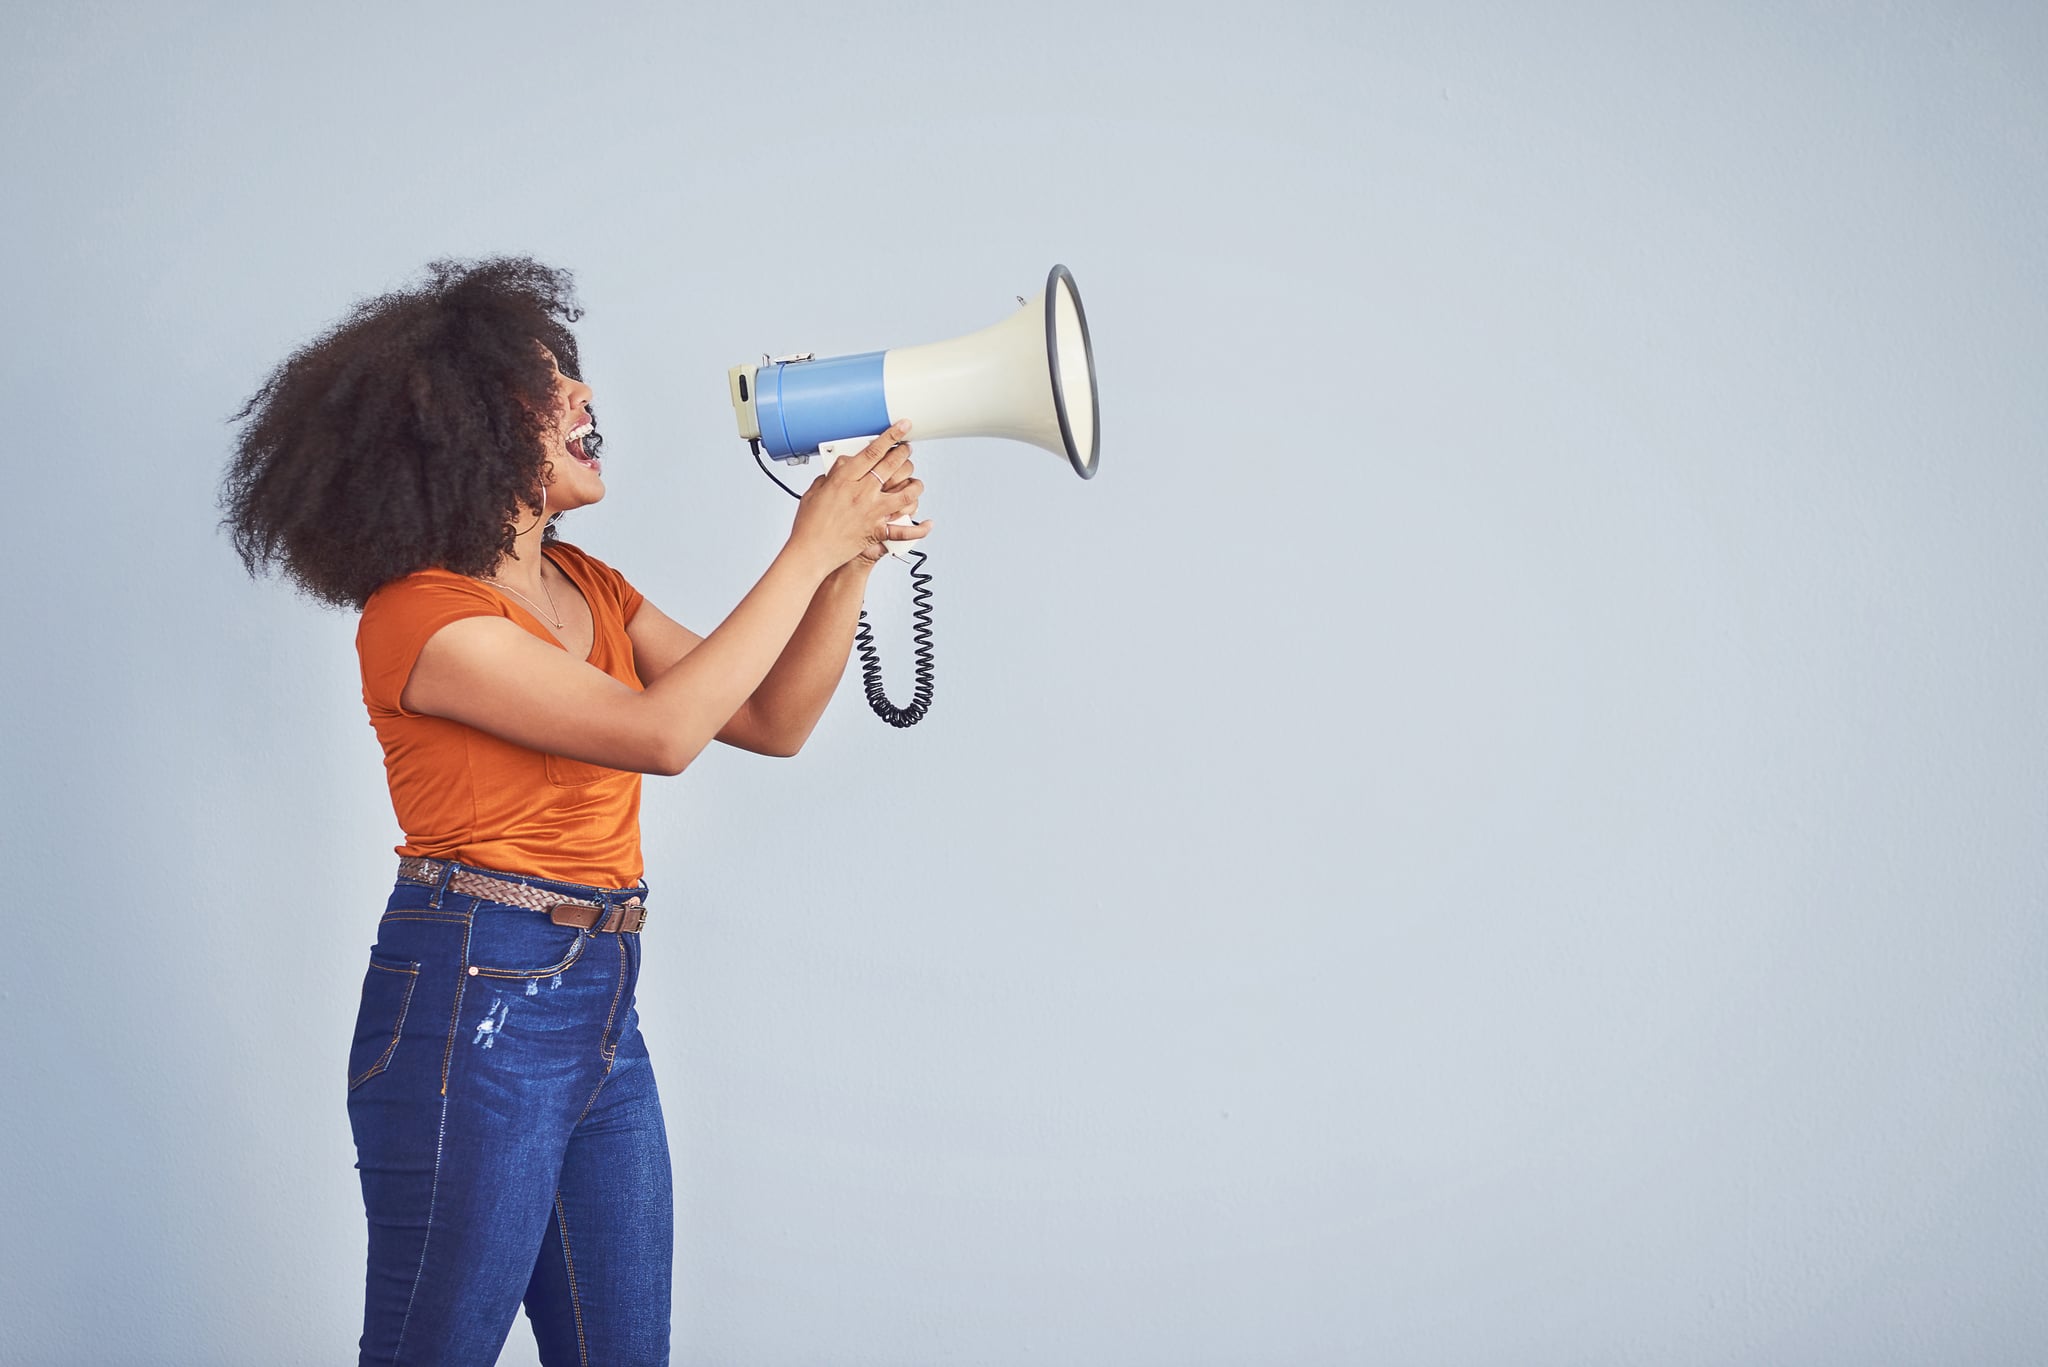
(864, 639)
(853, 446)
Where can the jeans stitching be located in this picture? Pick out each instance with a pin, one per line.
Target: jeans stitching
(609, 1046)
(450, 907)
(441, 1133)
(427, 1234)
(404, 1005)
(575, 953)
(569, 1266)
(455, 1011)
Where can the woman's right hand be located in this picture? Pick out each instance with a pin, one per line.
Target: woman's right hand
(846, 511)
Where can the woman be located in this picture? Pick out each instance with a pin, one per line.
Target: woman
(412, 463)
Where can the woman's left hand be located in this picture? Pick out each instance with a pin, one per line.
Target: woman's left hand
(870, 554)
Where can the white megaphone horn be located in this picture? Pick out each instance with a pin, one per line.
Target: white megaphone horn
(1029, 378)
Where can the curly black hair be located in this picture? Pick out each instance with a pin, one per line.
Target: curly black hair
(413, 433)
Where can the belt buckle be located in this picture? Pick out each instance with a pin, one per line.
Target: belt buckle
(626, 918)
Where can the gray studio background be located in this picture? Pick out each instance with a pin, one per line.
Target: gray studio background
(1505, 827)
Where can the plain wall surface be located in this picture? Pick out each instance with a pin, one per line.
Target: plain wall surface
(1505, 826)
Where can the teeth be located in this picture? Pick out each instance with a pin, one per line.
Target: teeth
(581, 432)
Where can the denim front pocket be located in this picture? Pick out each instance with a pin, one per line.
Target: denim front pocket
(522, 944)
(387, 994)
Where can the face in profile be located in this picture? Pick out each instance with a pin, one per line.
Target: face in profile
(575, 477)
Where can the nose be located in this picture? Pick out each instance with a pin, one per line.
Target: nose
(579, 395)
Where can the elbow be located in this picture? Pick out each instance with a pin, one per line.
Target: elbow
(785, 744)
(777, 738)
(670, 760)
(771, 745)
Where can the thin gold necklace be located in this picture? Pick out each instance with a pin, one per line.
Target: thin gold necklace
(556, 622)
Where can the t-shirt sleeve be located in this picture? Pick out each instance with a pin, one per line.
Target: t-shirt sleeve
(622, 593)
(399, 619)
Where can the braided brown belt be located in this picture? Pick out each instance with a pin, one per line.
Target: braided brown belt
(627, 916)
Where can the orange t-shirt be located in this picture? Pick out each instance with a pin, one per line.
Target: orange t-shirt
(465, 795)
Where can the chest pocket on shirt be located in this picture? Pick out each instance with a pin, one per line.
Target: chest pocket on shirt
(574, 773)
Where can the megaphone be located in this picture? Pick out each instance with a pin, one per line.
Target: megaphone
(1029, 378)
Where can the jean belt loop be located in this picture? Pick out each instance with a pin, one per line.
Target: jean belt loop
(441, 884)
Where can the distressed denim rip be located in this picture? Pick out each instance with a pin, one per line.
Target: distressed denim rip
(508, 1135)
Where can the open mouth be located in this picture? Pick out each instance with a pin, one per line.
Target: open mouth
(574, 442)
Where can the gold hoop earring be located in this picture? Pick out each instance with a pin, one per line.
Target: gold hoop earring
(518, 532)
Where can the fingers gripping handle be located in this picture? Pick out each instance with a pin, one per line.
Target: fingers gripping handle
(920, 616)
(853, 446)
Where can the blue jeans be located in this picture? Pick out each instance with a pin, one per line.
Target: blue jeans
(509, 1136)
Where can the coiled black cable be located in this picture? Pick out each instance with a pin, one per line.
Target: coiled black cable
(923, 670)
(921, 633)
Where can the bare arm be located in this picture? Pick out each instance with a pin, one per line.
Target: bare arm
(780, 714)
(488, 673)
